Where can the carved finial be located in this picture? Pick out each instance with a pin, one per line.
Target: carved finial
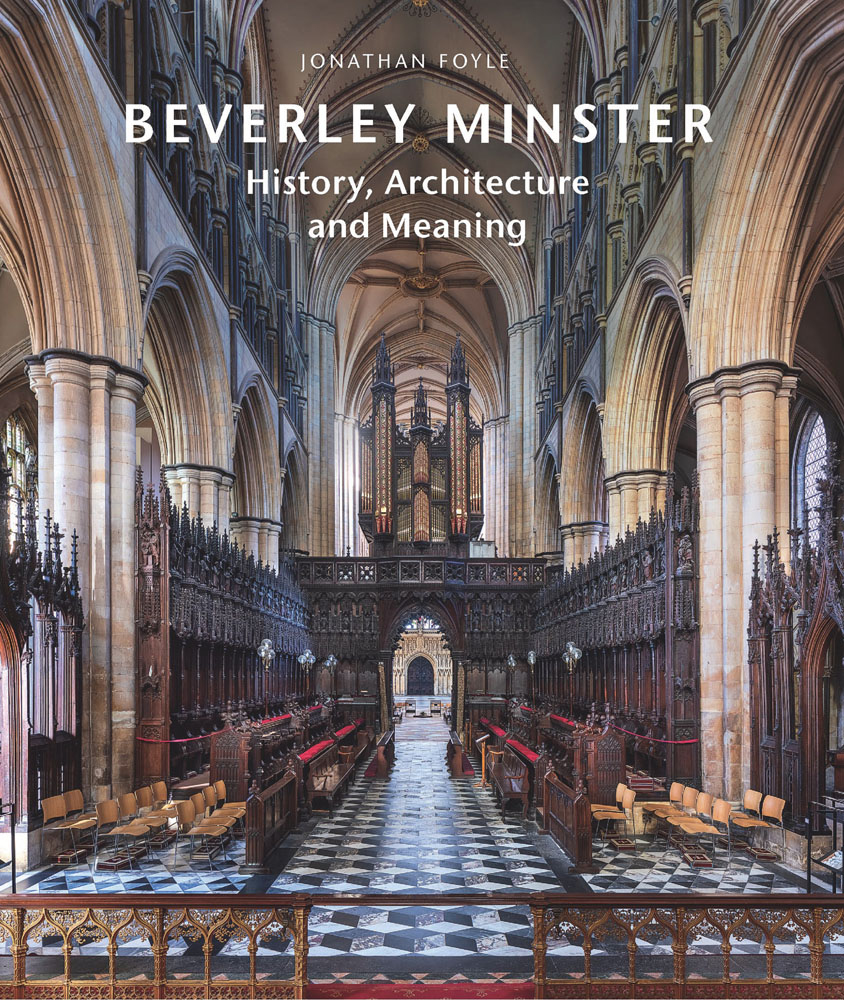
(458, 369)
(421, 415)
(383, 370)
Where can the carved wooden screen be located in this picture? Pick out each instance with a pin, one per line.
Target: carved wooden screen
(796, 615)
(203, 608)
(40, 647)
(632, 610)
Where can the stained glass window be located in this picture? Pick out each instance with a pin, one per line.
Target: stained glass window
(17, 445)
(814, 468)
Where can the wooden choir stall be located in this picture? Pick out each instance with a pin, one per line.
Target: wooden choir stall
(586, 764)
(203, 609)
(632, 612)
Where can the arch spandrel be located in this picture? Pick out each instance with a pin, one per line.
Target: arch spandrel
(749, 258)
(70, 245)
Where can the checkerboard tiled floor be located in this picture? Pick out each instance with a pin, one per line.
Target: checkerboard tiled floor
(420, 831)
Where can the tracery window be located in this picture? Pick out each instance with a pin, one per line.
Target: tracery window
(811, 467)
(17, 451)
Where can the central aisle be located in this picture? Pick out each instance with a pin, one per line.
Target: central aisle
(419, 830)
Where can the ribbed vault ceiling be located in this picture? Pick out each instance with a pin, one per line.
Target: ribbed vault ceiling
(421, 330)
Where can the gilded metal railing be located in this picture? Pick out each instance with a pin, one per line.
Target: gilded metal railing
(583, 945)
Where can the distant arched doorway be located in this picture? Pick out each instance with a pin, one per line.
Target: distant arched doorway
(420, 677)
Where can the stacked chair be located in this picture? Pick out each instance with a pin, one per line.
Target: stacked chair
(114, 823)
(768, 816)
(195, 824)
(144, 817)
(622, 813)
(698, 815)
(66, 812)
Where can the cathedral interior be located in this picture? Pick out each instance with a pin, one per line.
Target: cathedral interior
(421, 610)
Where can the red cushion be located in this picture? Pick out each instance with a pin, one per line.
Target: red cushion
(317, 748)
(315, 708)
(491, 726)
(275, 718)
(526, 752)
(562, 718)
(359, 722)
(526, 708)
(344, 731)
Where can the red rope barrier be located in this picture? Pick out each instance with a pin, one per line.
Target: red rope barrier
(652, 739)
(190, 739)
(639, 736)
(186, 739)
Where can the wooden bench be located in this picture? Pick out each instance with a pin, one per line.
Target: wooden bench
(328, 779)
(510, 781)
(385, 753)
(455, 756)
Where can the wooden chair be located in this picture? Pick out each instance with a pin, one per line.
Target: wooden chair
(75, 805)
(687, 810)
(620, 789)
(715, 825)
(674, 803)
(699, 816)
(155, 819)
(624, 814)
(186, 824)
(772, 810)
(752, 804)
(220, 815)
(109, 825)
(220, 789)
(55, 819)
(160, 795)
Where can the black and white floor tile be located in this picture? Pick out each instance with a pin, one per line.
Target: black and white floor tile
(656, 868)
(418, 831)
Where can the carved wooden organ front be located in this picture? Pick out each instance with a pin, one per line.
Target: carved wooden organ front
(421, 486)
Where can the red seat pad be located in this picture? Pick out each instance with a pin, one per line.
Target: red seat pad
(492, 727)
(562, 718)
(311, 752)
(315, 708)
(526, 708)
(345, 731)
(531, 755)
(275, 718)
(359, 722)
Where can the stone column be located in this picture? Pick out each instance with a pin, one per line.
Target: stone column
(319, 336)
(743, 466)
(522, 432)
(347, 476)
(126, 393)
(273, 529)
(580, 539)
(42, 386)
(246, 532)
(215, 496)
(631, 496)
(496, 478)
(87, 416)
(70, 378)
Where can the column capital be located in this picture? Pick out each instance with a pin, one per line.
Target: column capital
(74, 370)
(641, 477)
(129, 386)
(63, 360)
(755, 376)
